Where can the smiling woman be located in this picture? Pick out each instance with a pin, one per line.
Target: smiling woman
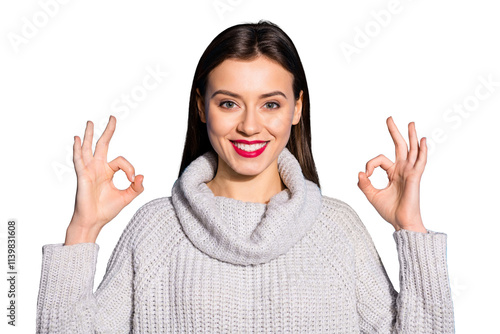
(254, 113)
(246, 242)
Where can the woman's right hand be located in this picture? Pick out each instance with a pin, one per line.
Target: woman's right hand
(98, 201)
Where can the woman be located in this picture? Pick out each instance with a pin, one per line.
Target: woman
(246, 242)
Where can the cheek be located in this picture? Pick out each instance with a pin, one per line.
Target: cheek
(218, 126)
(280, 124)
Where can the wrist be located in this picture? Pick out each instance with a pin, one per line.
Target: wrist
(414, 228)
(76, 234)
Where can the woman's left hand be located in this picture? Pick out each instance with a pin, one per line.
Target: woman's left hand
(399, 202)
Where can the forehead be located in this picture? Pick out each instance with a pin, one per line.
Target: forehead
(258, 76)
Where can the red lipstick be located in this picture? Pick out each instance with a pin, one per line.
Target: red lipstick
(249, 142)
(246, 154)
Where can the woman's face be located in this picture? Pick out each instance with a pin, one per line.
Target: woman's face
(249, 101)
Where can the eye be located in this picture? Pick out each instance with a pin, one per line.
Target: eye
(227, 104)
(270, 105)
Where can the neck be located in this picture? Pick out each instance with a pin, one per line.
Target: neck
(248, 188)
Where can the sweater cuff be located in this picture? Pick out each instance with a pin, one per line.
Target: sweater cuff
(423, 265)
(67, 273)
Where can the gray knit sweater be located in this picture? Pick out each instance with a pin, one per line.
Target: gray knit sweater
(197, 263)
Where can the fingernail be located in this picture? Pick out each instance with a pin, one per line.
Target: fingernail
(133, 178)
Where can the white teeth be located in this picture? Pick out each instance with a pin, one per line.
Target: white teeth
(249, 148)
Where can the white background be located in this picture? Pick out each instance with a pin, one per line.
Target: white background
(79, 62)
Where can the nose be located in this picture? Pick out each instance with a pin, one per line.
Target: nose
(250, 122)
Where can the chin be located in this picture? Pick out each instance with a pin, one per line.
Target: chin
(245, 166)
(247, 170)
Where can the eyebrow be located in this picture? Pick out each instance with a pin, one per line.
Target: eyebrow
(263, 96)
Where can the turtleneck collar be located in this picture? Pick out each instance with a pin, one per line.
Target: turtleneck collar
(241, 232)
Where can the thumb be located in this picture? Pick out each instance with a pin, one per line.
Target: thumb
(135, 189)
(366, 186)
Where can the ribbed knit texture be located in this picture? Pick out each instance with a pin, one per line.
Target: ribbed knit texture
(272, 229)
(197, 263)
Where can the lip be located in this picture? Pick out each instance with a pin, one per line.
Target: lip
(250, 142)
(246, 154)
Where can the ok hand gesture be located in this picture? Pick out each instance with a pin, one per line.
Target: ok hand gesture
(398, 203)
(98, 201)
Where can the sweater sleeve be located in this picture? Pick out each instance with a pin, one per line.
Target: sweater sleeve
(424, 303)
(66, 301)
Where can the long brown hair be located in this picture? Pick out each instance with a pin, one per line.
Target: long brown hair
(247, 41)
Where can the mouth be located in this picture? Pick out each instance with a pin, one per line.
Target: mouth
(249, 149)
(249, 146)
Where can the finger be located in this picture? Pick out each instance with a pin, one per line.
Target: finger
(399, 141)
(380, 160)
(412, 134)
(366, 186)
(134, 189)
(87, 142)
(77, 154)
(422, 155)
(101, 148)
(122, 163)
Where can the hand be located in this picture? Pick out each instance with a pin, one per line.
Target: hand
(98, 201)
(399, 202)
